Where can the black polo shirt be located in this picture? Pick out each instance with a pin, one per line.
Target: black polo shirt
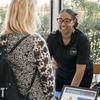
(76, 52)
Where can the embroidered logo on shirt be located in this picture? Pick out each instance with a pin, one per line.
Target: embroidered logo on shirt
(73, 51)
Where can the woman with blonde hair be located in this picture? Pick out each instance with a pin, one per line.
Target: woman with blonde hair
(30, 53)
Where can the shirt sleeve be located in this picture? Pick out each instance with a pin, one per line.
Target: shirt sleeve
(44, 66)
(83, 52)
(49, 44)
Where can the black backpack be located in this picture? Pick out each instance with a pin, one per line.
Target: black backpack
(8, 86)
(97, 86)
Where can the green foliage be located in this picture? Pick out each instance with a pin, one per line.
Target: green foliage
(44, 29)
(46, 7)
(89, 24)
(2, 17)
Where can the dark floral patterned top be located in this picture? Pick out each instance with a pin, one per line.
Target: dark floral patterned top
(32, 52)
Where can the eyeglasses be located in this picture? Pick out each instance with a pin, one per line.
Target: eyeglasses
(66, 21)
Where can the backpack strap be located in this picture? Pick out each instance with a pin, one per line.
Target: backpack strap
(36, 72)
(2, 50)
(34, 76)
(18, 43)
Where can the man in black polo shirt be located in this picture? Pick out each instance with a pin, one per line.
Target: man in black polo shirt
(70, 49)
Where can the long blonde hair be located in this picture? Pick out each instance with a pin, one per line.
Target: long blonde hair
(21, 17)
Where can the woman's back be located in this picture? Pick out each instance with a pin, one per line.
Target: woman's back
(32, 52)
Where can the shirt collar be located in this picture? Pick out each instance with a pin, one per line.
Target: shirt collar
(59, 38)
